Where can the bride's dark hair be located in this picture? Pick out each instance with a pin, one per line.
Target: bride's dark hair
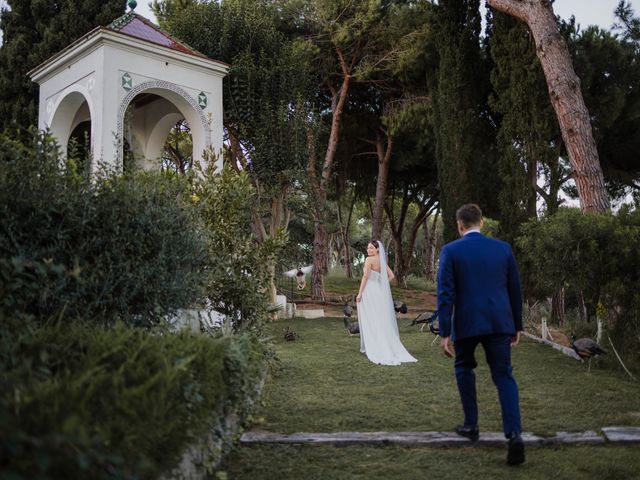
(375, 243)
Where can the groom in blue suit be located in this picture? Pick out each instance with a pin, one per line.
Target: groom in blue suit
(480, 302)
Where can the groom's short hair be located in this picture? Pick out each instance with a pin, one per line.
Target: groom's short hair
(469, 214)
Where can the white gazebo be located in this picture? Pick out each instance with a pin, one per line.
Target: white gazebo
(128, 84)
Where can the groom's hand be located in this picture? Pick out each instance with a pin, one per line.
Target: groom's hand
(515, 339)
(447, 347)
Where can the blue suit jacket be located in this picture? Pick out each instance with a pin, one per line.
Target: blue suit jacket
(478, 288)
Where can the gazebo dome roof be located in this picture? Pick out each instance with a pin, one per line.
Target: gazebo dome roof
(139, 27)
(132, 26)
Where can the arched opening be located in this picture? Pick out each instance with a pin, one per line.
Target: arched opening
(162, 129)
(72, 127)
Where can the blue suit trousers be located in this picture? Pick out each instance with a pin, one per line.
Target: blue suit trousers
(497, 349)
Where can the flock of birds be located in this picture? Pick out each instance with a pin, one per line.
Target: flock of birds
(586, 348)
(426, 319)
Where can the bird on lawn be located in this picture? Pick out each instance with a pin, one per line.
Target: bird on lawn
(586, 348)
(352, 328)
(290, 335)
(427, 318)
(399, 306)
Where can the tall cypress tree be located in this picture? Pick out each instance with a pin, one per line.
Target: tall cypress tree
(528, 133)
(34, 30)
(465, 142)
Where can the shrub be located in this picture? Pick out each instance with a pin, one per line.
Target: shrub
(598, 255)
(125, 246)
(238, 265)
(83, 402)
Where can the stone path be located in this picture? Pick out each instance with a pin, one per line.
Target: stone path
(439, 439)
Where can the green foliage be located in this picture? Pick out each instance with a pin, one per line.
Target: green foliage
(177, 154)
(609, 71)
(597, 255)
(528, 132)
(265, 88)
(82, 402)
(630, 25)
(464, 137)
(125, 246)
(168, 9)
(238, 267)
(34, 30)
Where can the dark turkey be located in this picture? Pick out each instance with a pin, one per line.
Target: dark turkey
(352, 328)
(290, 335)
(399, 306)
(427, 318)
(586, 348)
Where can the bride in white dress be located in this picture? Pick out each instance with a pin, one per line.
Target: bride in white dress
(379, 337)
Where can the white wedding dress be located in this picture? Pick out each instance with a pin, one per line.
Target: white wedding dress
(379, 337)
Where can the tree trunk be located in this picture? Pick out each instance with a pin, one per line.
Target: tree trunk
(582, 307)
(319, 231)
(557, 307)
(398, 265)
(430, 247)
(384, 160)
(344, 231)
(566, 98)
(407, 255)
(319, 261)
(403, 257)
(319, 183)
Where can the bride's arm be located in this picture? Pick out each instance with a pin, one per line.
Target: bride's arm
(390, 274)
(365, 277)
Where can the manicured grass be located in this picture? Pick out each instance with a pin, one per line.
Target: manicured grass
(398, 463)
(324, 384)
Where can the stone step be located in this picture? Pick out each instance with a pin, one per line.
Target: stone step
(622, 434)
(436, 439)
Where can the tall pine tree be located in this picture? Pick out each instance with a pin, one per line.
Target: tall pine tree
(34, 30)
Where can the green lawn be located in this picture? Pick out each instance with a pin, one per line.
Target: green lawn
(324, 384)
(397, 463)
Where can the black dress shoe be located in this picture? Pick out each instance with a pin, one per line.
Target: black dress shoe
(472, 433)
(515, 454)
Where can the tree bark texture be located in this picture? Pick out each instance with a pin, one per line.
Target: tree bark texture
(566, 98)
(557, 307)
(384, 149)
(278, 220)
(430, 240)
(582, 307)
(319, 182)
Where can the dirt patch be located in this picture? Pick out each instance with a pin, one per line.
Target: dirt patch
(557, 336)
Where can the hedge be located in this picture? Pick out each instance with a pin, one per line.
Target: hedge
(118, 246)
(84, 402)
